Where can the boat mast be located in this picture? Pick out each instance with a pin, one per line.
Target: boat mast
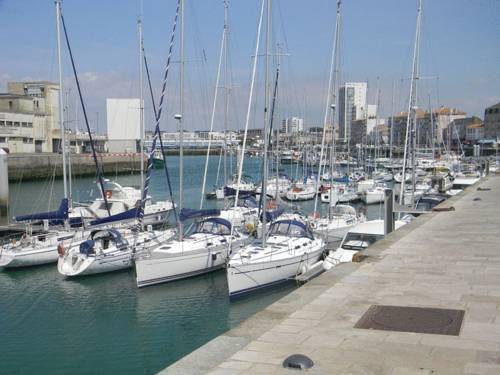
(212, 118)
(180, 118)
(61, 109)
(333, 104)
(263, 195)
(226, 87)
(411, 117)
(141, 97)
(327, 106)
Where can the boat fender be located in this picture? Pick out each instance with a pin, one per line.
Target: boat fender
(60, 249)
(303, 269)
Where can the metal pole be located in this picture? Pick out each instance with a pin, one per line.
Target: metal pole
(141, 100)
(263, 197)
(388, 214)
(61, 109)
(181, 125)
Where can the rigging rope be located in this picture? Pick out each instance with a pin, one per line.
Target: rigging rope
(160, 139)
(94, 155)
(157, 125)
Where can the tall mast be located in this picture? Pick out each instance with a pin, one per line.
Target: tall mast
(61, 109)
(266, 123)
(226, 87)
(333, 104)
(212, 119)
(328, 104)
(181, 120)
(141, 97)
(411, 118)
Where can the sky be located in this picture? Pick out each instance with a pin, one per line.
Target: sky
(459, 62)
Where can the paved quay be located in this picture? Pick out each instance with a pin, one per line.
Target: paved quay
(446, 260)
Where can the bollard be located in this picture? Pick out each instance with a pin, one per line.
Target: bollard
(388, 214)
(4, 187)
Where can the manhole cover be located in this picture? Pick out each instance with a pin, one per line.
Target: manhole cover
(412, 319)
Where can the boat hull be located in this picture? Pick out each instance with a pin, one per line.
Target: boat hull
(246, 278)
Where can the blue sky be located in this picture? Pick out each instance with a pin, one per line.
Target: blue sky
(460, 46)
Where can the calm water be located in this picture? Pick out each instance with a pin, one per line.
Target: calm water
(103, 323)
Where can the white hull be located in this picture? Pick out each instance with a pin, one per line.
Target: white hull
(373, 197)
(245, 278)
(91, 265)
(39, 254)
(156, 270)
(169, 263)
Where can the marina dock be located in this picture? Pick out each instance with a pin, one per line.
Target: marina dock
(442, 260)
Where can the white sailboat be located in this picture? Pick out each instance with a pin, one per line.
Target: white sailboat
(107, 250)
(207, 245)
(289, 250)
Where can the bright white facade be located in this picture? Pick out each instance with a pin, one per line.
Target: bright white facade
(123, 123)
(352, 106)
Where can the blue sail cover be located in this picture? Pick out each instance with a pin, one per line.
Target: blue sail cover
(230, 192)
(60, 214)
(343, 179)
(189, 213)
(272, 215)
(126, 215)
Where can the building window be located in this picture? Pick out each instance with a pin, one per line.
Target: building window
(9, 123)
(3, 140)
(2, 123)
(30, 124)
(17, 123)
(24, 124)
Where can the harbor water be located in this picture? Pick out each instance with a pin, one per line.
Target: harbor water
(104, 323)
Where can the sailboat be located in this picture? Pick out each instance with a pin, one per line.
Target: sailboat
(340, 217)
(107, 250)
(210, 239)
(41, 248)
(289, 248)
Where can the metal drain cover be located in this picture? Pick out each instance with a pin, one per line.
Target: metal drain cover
(412, 319)
(298, 362)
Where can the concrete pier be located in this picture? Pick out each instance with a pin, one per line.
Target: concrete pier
(26, 167)
(446, 260)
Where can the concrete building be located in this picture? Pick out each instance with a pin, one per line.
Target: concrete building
(29, 117)
(444, 117)
(492, 122)
(352, 102)
(358, 132)
(457, 129)
(292, 125)
(123, 123)
(474, 132)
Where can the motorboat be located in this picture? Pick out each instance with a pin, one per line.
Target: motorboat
(374, 195)
(333, 228)
(290, 249)
(121, 199)
(358, 239)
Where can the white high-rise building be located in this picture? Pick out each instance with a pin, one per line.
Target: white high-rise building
(352, 103)
(292, 125)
